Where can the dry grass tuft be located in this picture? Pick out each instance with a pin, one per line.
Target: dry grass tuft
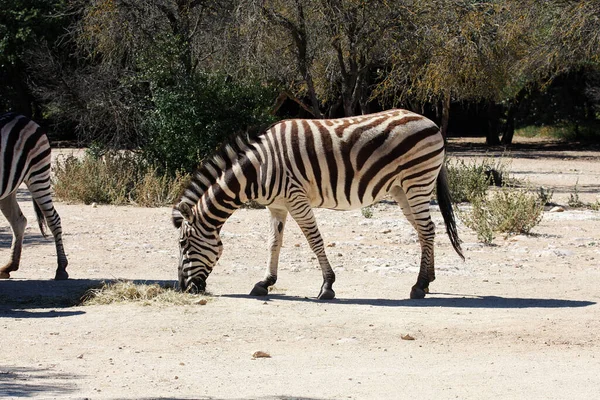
(147, 294)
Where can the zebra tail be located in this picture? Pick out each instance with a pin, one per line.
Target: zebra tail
(445, 203)
(41, 219)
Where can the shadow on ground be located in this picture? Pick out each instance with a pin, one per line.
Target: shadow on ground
(546, 149)
(456, 301)
(34, 382)
(19, 298)
(31, 239)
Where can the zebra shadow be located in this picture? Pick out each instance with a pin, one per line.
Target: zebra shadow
(48, 298)
(456, 301)
(37, 298)
(30, 239)
(32, 382)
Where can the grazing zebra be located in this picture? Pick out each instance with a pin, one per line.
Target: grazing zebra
(295, 165)
(25, 157)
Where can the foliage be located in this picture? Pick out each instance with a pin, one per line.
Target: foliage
(119, 72)
(24, 26)
(191, 118)
(574, 200)
(545, 196)
(508, 210)
(114, 178)
(467, 181)
(367, 212)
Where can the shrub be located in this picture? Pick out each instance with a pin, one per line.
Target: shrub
(469, 181)
(114, 178)
(190, 118)
(508, 210)
(154, 190)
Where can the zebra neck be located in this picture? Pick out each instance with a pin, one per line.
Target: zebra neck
(227, 194)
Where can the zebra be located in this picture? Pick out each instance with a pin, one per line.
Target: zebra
(298, 164)
(25, 157)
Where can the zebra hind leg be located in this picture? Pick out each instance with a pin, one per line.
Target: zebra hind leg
(45, 211)
(11, 210)
(417, 213)
(276, 226)
(303, 215)
(422, 286)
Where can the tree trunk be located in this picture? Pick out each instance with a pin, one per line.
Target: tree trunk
(491, 126)
(509, 129)
(445, 114)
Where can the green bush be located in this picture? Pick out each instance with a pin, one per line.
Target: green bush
(192, 117)
(114, 178)
(467, 181)
(508, 210)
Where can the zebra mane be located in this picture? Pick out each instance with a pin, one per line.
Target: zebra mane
(211, 168)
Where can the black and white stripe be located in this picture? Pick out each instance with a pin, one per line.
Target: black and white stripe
(296, 165)
(25, 157)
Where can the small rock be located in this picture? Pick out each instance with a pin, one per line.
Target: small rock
(407, 337)
(386, 231)
(201, 302)
(332, 244)
(94, 205)
(556, 209)
(80, 356)
(261, 354)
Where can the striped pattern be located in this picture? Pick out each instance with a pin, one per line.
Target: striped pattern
(295, 165)
(25, 157)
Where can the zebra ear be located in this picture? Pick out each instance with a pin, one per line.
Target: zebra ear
(186, 211)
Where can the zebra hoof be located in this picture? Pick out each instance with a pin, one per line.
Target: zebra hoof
(418, 293)
(4, 275)
(326, 294)
(259, 290)
(61, 275)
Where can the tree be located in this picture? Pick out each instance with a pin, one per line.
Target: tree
(24, 26)
(465, 51)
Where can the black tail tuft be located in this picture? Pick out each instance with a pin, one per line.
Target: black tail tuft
(445, 203)
(41, 219)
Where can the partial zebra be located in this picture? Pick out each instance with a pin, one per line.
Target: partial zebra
(25, 157)
(295, 165)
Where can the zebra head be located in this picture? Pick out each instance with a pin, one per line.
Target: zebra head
(199, 248)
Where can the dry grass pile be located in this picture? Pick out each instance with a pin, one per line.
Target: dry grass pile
(147, 294)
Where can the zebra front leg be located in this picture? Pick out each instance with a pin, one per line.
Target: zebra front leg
(276, 226)
(11, 210)
(303, 215)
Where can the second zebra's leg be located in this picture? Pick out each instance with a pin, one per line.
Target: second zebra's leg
(11, 210)
(276, 226)
(303, 215)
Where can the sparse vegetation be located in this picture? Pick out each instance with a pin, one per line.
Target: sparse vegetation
(574, 200)
(545, 196)
(114, 178)
(508, 210)
(367, 212)
(127, 291)
(470, 180)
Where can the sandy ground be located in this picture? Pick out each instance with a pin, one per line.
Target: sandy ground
(520, 319)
